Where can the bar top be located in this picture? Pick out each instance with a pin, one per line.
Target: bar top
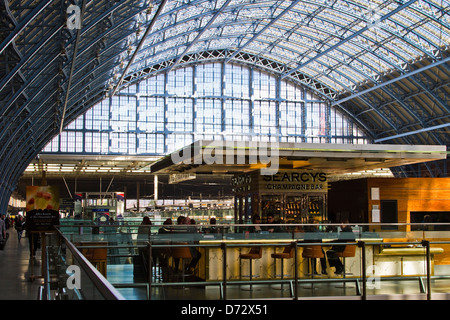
(276, 241)
(409, 251)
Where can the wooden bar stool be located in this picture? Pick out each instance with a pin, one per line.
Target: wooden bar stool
(253, 254)
(182, 253)
(97, 256)
(310, 253)
(349, 252)
(288, 253)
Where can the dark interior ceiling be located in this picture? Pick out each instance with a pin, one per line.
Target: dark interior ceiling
(135, 176)
(203, 187)
(385, 64)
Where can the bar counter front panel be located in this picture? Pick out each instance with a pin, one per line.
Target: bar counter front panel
(380, 261)
(211, 263)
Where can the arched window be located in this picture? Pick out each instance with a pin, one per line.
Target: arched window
(213, 101)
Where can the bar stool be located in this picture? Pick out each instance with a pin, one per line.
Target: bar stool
(288, 253)
(182, 253)
(159, 260)
(253, 254)
(312, 252)
(349, 252)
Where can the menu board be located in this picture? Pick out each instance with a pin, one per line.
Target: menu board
(41, 220)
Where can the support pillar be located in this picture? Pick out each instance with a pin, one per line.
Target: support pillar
(155, 188)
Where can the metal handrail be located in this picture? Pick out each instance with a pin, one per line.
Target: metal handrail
(363, 293)
(46, 294)
(223, 283)
(106, 289)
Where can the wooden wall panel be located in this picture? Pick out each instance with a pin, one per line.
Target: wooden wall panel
(412, 194)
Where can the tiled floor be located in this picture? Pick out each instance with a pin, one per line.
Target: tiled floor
(16, 270)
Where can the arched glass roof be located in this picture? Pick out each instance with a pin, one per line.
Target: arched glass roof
(339, 44)
(383, 63)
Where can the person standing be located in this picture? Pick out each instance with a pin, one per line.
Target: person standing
(19, 226)
(34, 242)
(2, 230)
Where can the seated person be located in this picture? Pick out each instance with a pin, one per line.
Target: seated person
(346, 235)
(196, 255)
(212, 228)
(256, 220)
(271, 220)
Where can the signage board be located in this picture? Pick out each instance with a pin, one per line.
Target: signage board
(42, 208)
(42, 220)
(179, 177)
(294, 181)
(284, 181)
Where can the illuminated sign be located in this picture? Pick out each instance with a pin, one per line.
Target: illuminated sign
(283, 181)
(293, 181)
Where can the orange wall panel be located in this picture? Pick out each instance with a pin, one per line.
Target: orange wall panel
(412, 194)
(353, 197)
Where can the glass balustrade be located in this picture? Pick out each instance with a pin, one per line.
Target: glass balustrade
(294, 262)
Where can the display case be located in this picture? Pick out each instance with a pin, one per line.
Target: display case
(297, 208)
(272, 204)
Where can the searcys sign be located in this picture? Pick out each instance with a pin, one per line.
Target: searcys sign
(294, 181)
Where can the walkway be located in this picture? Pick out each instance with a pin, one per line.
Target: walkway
(15, 270)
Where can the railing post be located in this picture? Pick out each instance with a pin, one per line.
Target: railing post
(426, 244)
(223, 245)
(150, 270)
(46, 275)
(362, 245)
(294, 243)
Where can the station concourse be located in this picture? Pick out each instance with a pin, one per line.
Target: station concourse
(116, 111)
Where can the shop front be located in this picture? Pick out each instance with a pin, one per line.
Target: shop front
(293, 196)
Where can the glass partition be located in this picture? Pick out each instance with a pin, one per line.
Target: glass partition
(70, 274)
(302, 260)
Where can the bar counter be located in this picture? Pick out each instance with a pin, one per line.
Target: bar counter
(381, 259)
(211, 263)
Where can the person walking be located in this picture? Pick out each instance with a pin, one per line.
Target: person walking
(18, 225)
